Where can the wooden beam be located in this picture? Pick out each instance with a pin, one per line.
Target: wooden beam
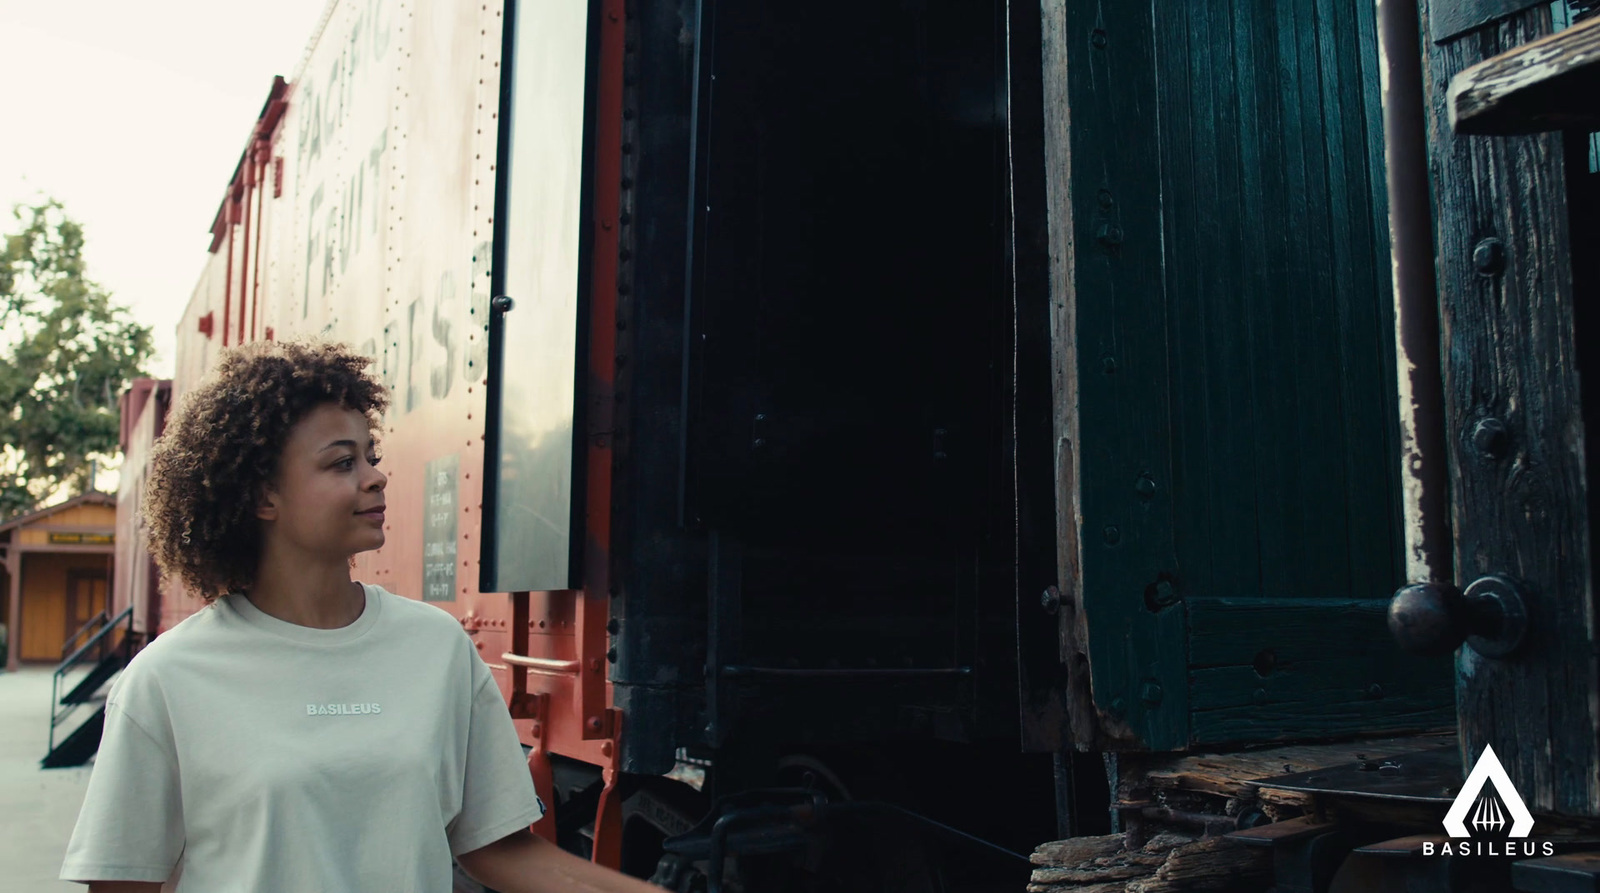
(1552, 83)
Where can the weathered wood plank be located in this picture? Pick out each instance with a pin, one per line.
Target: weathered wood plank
(1072, 632)
(1518, 498)
(1266, 669)
(1167, 863)
(1110, 887)
(1315, 687)
(1305, 706)
(1215, 863)
(1243, 631)
(1077, 850)
(1552, 83)
(1123, 375)
(1233, 775)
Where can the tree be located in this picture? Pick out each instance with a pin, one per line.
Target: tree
(67, 352)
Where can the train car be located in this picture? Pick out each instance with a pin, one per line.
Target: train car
(135, 582)
(871, 440)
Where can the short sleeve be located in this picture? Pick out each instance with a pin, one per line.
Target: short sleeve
(498, 796)
(131, 825)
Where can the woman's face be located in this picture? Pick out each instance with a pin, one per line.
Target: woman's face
(328, 496)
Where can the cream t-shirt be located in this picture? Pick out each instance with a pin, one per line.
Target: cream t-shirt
(244, 753)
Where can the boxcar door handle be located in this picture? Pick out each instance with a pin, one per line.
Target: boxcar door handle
(1436, 618)
(543, 666)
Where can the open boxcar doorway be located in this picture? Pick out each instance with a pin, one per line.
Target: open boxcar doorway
(865, 395)
(853, 327)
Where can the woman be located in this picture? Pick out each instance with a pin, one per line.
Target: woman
(302, 733)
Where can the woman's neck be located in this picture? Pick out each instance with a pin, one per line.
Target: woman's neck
(306, 593)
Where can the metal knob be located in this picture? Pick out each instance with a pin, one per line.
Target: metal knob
(1433, 619)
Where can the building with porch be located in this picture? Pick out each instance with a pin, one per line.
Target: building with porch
(57, 574)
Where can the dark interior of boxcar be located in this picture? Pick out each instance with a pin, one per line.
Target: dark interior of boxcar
(839, 547)
(852, 324)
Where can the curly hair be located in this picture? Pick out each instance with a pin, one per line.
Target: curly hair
(222, 444)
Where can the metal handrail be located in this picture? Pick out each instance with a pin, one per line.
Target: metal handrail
(98, 618)
(58, 714)
(77, 656)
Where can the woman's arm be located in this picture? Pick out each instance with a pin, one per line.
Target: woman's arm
(525, 863)
(123, 887)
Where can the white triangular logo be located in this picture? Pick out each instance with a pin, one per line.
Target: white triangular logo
(1486, 814)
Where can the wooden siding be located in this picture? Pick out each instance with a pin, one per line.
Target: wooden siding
(44, 601)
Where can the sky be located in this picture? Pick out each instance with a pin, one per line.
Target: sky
(134, 115)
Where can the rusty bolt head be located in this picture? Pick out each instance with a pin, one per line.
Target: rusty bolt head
(1162, 593)
(1489, 257)
(1145, 487)
(593, 723)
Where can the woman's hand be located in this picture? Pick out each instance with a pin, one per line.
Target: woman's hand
(525, 863)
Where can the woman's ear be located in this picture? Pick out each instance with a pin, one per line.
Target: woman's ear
(266, 503)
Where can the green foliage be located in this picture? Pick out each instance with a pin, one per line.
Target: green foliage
(67, 352)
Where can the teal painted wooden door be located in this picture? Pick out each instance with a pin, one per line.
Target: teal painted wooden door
(1237, 454)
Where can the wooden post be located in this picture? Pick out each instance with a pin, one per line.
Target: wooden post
(1516, 431)
(14, 615)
